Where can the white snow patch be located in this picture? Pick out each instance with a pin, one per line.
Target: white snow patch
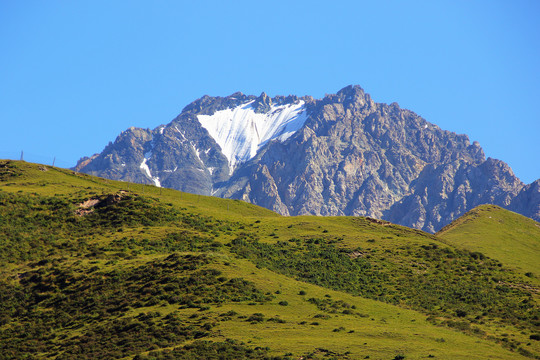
(197, 152)
(171, 171)
(240, 132)
(211, 170)
(161, 129)
(146, 169)
(181, 133)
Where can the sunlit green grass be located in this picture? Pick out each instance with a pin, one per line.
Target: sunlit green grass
(374, 328)
(387, 330)
(501, 234)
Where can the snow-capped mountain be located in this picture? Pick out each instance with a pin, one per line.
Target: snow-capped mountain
(340, 155)
(203, 145)
(240, 132)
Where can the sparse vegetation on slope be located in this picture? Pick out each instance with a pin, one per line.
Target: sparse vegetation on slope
(445, 283)
(63, 295)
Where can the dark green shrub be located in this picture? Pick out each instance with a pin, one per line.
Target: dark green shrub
(256, 317)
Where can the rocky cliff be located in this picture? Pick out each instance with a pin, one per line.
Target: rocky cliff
(340, 155)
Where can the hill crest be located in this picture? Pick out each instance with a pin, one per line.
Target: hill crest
(499, 233)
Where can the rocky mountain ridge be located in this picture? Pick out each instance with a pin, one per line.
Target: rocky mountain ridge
(347, 156)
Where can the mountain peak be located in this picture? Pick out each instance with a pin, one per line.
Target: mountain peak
(262, 104)
(340, 155)
(351, 90)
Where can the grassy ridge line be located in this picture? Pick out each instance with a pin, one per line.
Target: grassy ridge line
(501, 234)
(50, 181)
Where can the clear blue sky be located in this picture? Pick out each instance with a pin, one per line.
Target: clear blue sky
(74, 74)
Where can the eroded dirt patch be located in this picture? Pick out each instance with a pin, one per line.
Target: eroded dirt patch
(88, 206)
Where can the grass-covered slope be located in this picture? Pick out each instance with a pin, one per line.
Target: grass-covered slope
(97, 269)
(501, 234)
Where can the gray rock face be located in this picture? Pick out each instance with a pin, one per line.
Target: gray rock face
(447, 191)
(352, 156)
(527, 202)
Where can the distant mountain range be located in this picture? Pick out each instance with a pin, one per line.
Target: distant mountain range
(343, 154)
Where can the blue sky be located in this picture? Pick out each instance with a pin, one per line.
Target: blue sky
(74, 74)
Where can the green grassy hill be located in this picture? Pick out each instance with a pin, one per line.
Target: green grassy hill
(97, 269)
(498, 233)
